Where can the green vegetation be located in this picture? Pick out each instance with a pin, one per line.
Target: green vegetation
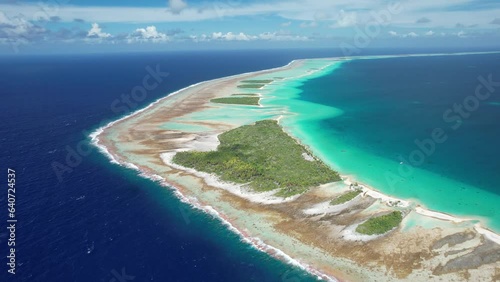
(253, 101)
(380, 224)
(251, 86)
(345, 197)
(242, 94)
(262, 156)
(258, 81)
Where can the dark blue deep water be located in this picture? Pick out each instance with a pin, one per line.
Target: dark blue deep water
(390, 103)
(393, 109)
(101, 218)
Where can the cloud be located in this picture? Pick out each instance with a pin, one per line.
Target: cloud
(265, 36)
(176, 6)
(437, 16)
(96, 32)
(281, 36)
(18, 30)
(148, 34)
(309, 24)
(423, 20)
(403, 35)
(200, 38)
(345, 19)
(411, 34)
(444, 13)
(495, 21)
(231, 36)
(429, 33)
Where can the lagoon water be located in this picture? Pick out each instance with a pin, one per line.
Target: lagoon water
(377, 111)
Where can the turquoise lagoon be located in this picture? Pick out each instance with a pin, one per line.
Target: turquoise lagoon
(364, 117)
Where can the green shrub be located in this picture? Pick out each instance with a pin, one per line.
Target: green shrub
(251, 86)
(345, 197)
(245, 94)
(380, 224)
(253, 101)
(264, 156)
(257, 81)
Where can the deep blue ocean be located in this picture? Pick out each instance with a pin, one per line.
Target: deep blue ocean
(392, 109)
(103, 221)
(100, 221)
(390, 103)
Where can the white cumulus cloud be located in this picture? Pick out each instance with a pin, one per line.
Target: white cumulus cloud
(266, 36)
(403, 35)
(148, 34)
(200, 38)
(411, 34)
(96, 32)
(281, 36)
(393, 33)
(231, 36)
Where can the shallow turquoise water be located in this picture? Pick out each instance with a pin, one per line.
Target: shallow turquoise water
(364, 116)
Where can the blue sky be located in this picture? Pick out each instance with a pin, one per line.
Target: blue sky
(83, 25)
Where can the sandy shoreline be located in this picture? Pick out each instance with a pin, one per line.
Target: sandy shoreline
(168, 176)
